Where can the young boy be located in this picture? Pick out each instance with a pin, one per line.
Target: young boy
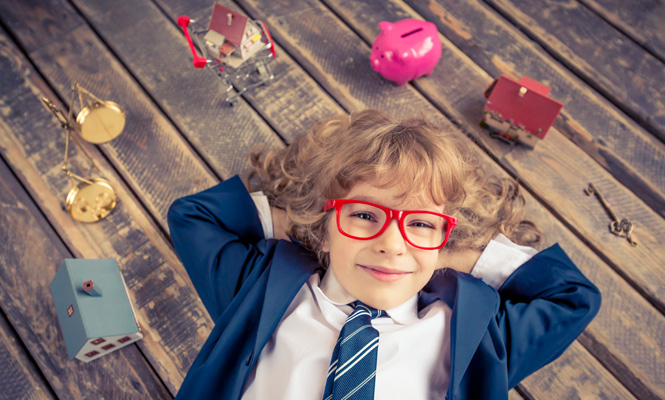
(367, 204)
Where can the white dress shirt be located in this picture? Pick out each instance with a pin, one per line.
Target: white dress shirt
(414, 354)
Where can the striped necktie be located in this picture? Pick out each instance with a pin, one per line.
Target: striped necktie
(353, 363)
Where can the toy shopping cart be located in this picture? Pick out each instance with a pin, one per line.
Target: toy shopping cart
(238, 50)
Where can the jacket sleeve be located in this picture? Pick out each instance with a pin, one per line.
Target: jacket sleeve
(545, 306)
(217, 235)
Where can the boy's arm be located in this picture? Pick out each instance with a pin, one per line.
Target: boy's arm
(545, 306)
(215, 233)
(272, 219)
(493, 265)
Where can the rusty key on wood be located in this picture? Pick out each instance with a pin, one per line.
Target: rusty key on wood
(620, 227)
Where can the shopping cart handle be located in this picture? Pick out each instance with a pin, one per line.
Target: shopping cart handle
(198, 61)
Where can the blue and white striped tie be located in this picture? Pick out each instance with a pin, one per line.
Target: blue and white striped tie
(353, 363)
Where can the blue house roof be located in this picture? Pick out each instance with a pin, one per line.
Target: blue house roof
(83, 316)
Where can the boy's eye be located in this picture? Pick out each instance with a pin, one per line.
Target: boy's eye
(421, 224)
(364, 216)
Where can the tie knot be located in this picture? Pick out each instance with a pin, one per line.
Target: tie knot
(360, 308)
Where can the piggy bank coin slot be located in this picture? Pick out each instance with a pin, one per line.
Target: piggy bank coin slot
(412, 32)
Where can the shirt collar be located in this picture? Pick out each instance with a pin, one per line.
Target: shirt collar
(332, 292)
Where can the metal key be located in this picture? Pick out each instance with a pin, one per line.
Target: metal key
(619, 226)
(626, 229)
(592, 190)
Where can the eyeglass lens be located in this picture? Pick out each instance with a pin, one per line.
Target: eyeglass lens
(364, 221)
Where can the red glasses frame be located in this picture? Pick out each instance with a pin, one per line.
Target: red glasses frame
(399, 215)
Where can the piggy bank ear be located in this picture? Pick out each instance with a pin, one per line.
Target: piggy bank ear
(385, 26)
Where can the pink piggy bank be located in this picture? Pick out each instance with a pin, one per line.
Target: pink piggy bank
(405, 50)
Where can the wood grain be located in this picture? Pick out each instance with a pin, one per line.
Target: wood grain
(20, 377)
(642, 20)
(174, 319)
(611, 63)
(632, 155)
(574, 377)
(30, 253)
(514, 395)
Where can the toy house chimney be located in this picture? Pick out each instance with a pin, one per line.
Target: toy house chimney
(90, 289)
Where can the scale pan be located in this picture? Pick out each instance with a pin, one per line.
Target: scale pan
(101, 122)
(90, 202)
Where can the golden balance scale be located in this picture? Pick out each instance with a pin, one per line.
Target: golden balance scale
(89, 200)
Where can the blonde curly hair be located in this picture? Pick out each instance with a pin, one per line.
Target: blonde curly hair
(370, 146)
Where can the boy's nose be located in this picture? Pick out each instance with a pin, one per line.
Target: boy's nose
(391, 240)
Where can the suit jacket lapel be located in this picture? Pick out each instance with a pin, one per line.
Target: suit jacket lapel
(474, 304)
(291, 266)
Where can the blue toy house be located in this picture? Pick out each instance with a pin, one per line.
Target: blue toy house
(93, 308)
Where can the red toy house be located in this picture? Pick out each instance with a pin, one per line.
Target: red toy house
(519, 111)
(232, 36)
(235, 48)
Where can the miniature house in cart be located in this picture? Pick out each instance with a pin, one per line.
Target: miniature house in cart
(232, 37)
(93, 308)
(519, 111)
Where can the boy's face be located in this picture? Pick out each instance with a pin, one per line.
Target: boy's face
(386, 271)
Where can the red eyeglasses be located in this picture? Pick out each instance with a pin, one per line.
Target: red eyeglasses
(363, 220)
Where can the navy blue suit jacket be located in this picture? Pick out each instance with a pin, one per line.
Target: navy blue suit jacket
(247, 282)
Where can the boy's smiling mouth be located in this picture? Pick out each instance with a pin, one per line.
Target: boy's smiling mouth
(384, 274)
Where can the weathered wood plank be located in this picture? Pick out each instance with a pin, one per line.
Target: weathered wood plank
(574, 377)
(19, 376)
(513, 395)
(626, 150)
(623, 71)
(313, 45)
(641, 19)
(30, 253)
(174, 319)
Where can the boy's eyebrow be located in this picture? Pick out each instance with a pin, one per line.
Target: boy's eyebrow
(364, 198)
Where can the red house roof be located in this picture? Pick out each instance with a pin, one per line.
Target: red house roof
(219, 22)
(524, 104)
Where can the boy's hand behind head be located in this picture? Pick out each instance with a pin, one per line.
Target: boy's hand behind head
(460, 260)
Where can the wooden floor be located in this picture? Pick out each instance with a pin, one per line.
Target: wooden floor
(604, 59)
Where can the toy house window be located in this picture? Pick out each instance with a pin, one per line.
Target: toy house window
(98, 341)
(70, 310)
(92, 353)
(125, 339)
(108, 346)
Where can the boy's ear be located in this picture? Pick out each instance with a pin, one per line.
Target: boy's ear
(325, 246)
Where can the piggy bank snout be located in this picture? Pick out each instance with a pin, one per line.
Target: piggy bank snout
(375, 63)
